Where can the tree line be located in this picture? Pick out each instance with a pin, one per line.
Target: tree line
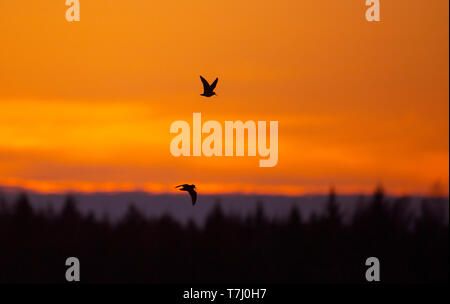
(34, 245)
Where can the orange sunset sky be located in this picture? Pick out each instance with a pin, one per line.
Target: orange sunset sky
(87, 106)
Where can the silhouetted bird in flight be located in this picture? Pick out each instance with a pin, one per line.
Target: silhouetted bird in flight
(208, 90)
(191, 190)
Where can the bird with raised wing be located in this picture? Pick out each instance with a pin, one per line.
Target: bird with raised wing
(191, 189)
(208, 89)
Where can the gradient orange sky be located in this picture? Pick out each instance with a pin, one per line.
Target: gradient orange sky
(87, 106)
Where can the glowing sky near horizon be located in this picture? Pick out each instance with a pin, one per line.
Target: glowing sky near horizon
(87, 106)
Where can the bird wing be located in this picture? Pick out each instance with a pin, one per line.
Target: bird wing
(206, 86)
(181, 185)
(213, 85)
(193, 195)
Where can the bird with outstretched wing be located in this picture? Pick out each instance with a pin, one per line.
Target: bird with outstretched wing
(208, 89)
(191, 190)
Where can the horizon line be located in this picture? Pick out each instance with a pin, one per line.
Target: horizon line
(248, 192)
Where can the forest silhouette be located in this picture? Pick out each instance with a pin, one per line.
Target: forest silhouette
(34, 245)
